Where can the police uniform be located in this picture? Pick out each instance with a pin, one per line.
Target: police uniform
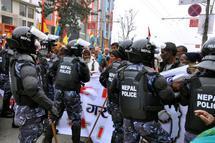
(70, 70)
(106, 79)
(26, 87)
(198, 93)
(141, 92)
(48, 68)
(4, 67)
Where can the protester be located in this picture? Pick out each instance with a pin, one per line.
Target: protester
(98, 55)
(114, 46)
(168, 55)
(190, 58)
(180, 51)
(91, 62)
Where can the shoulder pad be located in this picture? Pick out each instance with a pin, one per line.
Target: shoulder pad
(149, 69)
(25, 57)
(55, 59)
(10, 52)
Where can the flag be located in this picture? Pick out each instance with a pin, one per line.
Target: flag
(149, 33)
(65, 39)
(57, 29)
(46, 30)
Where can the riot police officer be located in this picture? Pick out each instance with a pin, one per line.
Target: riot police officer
(47, 64)
(5, 55)
(198, 92)
(74, 71)
(106, 78)
(141, 92)
(26, 87)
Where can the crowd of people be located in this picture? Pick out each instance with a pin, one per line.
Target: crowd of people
(45, 79)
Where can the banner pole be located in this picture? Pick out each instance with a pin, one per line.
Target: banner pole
(88, 139)
(53, 128)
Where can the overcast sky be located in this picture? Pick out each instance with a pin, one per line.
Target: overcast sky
(150, 14)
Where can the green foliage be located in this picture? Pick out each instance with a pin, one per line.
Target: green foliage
(69, 11)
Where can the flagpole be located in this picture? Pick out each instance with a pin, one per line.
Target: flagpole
(149, 34)
(43, 19)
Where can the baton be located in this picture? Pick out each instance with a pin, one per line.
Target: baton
(53, 128)
(88, 139)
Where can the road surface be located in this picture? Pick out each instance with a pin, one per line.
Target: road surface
(9, 135)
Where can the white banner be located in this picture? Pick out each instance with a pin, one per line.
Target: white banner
(93, 96)
(92, 101)
(185, 2)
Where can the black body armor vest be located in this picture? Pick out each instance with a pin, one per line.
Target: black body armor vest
(67, 77)
(137, 100)
(16, 62)
(202, 97)
(111, 74)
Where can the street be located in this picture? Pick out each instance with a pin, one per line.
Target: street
(10, 135)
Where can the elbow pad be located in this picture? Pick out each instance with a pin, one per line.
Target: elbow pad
(160, 83)
(167, 95)
(164, 91)
(30, 82)
(30, 85)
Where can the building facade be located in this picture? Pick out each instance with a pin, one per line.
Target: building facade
(98, 26)
(16, 13)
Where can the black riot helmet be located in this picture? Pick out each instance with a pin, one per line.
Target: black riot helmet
(123, 46)
(22, 40)
(208, 62)
(73, 48)
(142, 51)
(209, 47)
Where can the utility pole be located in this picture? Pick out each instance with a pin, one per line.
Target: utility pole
(205, 30)
(43, 16)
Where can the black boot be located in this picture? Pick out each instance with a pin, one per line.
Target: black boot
(6, 111)
(76, 132)
(48, 135)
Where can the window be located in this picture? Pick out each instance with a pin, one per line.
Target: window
(23, 23)
(30, 13)
(30, 24)
(7, 20)
(6, 5)
(22, 10)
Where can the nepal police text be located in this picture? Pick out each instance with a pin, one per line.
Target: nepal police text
(65, 69)
(129, 91)
(206, 101)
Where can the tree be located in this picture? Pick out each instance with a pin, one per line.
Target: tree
(69, 11)
(127, 25)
